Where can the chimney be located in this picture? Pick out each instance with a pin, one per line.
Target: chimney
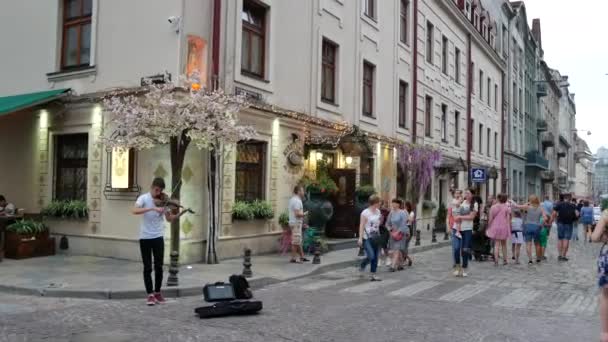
(536, 32)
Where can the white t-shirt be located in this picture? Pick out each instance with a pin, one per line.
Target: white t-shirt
(8, 210)
(466, 209)
(295, 204)
(152, 223)
(372, 226)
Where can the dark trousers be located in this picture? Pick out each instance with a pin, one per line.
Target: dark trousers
(152, 248)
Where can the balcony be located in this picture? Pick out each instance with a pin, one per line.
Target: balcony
(547, 139)
(561, 154)
(547, 176)
(536, 159)
(542, 125)
(541, 89)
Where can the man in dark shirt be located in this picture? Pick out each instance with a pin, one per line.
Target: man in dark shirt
(565, 212)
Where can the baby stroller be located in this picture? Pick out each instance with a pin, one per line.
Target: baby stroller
(481, 245)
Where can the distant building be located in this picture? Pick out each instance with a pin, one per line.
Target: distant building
(600, 178)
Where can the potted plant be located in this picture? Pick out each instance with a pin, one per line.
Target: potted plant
(262, 210)
(440, 218)
(243, 211)
(284, 220)
(320, 210)
(28, 238)
(67, 209)
(363, 192)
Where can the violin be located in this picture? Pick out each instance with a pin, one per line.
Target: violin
(164, 201)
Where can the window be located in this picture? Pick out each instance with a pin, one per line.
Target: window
(514, 104)
(488, 135)
(366, 167)
(250, 175)
(428, 115)
(71, 162)
(253, 42)
(472, 77)
(514, 138)
(480, 139)
(496, 146)
(404, 31)
(328, 73)
(457, 65)
(496, 96)
(457, 128)
(444, 123)
(520, 102)
(480, 85)
(471, 134)
(429, 42)
(370, 8)
(488, 86)
(403, 92)
(514, 183)
(444, 55)
(76, 42)
(368, 89)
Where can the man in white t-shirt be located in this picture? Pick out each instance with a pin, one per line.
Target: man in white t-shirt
(151, 238)
(6, 209)
(296, 218)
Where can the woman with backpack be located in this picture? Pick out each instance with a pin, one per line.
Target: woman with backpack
(399, 231)
(601, 235)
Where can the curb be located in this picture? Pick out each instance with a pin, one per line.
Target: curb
(171, 292)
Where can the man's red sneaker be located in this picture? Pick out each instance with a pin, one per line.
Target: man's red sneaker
(151, 300)
(159, 298)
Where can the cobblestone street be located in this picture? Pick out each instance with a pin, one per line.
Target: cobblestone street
(548, 302)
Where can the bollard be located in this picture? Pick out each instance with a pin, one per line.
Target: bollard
(428, 227)
(247, 273)
(434, 239)
(316, 260)
(417, 238)
(173, 269)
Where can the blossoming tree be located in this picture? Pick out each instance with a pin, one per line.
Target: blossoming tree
(419, 160)
(179, 116)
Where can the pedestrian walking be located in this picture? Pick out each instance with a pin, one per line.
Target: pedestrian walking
(468, 210)
(576, 222)
(385, 235)
(399, 231)
(369, 235)
(532, 222)
(600, 234)
(296, 220)
(517, 234)
(411, 221)
(586, 214)
(499, 227)
(454, 210)
(151, 238)
(564, 213)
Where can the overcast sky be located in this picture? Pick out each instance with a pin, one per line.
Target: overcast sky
(575, 41)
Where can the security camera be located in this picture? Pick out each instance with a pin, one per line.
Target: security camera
(173, 19)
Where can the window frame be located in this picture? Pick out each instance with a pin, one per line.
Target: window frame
(368, 83)
(480, 139)
(489, 95)
(496, 145)
(496, 96)
(488, 141)
(428, 116)
(332, 65)
(480, 85)
(403, 103)
(404, 14)
(262, 147)
(457, 128)
(445, 43)
(369, 9)
(430, 37)
(79, 22)
(60, 163)
(254, 30)
(444, 122)
(457, 65)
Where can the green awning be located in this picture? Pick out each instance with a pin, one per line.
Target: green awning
(9, 104)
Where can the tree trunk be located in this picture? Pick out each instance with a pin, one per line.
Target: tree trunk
(214, 188)
(178, 147)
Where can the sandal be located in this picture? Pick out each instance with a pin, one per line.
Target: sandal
(400, 268)
(304, 260)
(294, 261)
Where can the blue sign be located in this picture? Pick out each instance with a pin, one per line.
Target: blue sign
(478, 175)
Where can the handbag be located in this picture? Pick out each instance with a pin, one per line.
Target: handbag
(397, 235)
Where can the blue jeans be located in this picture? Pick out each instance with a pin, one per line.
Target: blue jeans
(531, 232)
(564, 231)
(371, 253)
(462, 247)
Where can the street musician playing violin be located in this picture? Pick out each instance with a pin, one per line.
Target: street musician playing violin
(155, 207)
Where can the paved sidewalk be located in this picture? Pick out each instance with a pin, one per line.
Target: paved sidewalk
(106, 278)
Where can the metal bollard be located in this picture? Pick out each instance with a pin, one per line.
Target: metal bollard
(172, 280)
(446, 236)
(417, 238)
(316, 260)
(434, 239)
(247, 273)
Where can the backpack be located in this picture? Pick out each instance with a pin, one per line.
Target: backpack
(241, 287)
(567, 214)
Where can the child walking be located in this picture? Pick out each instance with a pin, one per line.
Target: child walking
(517, 235)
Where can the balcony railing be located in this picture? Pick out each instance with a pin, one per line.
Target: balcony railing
(536, 159)
(547, 139)
(542, 125)
(547, 175)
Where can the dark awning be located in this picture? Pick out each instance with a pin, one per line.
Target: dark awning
(9, 104)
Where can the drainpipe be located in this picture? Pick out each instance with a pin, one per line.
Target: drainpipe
(469, 109)
(415, 76)
(215, 45)
(503, 178)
